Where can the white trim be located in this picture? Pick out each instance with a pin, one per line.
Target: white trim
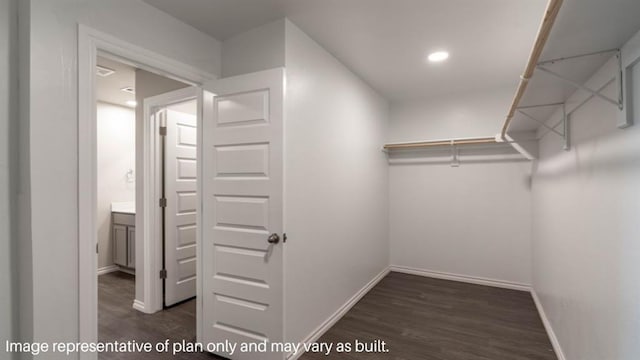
(107, 269)
(629, 59)
(199, 266)
(152, 215)
(90, 41)
(461, 278)
(547, 325)
(519, 148)
(127, 270)
(333, 319)
(87, 230)
(139, 57)
(138, 305)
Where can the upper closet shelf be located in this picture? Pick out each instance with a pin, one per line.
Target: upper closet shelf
(571, 56)
(563, 58)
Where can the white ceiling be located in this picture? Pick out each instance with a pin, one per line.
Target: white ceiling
(386, 42)
(108, 88)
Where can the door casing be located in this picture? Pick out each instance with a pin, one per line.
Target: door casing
(92, 42)
(153, 191)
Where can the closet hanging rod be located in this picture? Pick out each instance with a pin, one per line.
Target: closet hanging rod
(551, 13)
(451, 142)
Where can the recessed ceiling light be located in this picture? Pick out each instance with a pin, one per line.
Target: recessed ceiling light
(131, 103)
(438, 56)
(128, 89)
(104, 71)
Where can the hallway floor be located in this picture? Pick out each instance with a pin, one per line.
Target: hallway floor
(118, 321)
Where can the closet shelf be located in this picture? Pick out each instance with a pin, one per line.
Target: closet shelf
(570, 62)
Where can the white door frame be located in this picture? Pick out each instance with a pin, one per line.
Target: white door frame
(90, 43)
(152, 192)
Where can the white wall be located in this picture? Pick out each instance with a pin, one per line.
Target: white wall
(52, 143)
(258, 49)
(116, 155)
(586, 258)
(335, 184)
(147, 84)
(455, 115)
(8, 169)
(472, 220)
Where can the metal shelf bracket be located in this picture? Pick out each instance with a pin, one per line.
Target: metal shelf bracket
(565, 128)
(619, 102)
(553, 129)
(542, 123)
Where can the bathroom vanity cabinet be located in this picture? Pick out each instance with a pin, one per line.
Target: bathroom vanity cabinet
(124, 238)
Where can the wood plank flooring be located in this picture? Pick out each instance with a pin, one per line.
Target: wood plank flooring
(419, 319)
(118, 321)
(432, 319)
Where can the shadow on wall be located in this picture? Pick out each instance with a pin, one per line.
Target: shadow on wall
(603, 155)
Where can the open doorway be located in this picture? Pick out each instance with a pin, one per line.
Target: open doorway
(126, 98)
(172, 157)
(240, 122)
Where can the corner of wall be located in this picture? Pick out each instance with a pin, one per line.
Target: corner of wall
(9, 181)
(557, 348)
(347, 223)
(260, 48)
(24, 268)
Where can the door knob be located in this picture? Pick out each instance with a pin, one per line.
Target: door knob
(273, 238)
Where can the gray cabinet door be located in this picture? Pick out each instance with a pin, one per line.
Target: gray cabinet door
(131, 242)
(120, 245)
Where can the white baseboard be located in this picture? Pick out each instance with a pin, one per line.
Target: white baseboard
(333, 319)
(107, 269)
(127, 270)
(139, 305)
(495, 283)
(461, 278)
(547, 325)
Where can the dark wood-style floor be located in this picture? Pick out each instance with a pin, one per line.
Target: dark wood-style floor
(431, 319)
(118, 321)
(418, 318)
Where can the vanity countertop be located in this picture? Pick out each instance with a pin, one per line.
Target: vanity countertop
(124, 207)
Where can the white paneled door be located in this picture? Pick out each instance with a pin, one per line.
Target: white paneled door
(242, 221)
(180, 211)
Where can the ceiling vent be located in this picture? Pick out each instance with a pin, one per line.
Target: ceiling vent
(129, 90)
(103, 71)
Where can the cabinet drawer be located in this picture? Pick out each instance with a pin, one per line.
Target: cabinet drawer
(124, 219)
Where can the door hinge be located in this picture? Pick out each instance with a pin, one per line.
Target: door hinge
(163, 202)
(163, 274)
(97, 245)
(163, 131)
